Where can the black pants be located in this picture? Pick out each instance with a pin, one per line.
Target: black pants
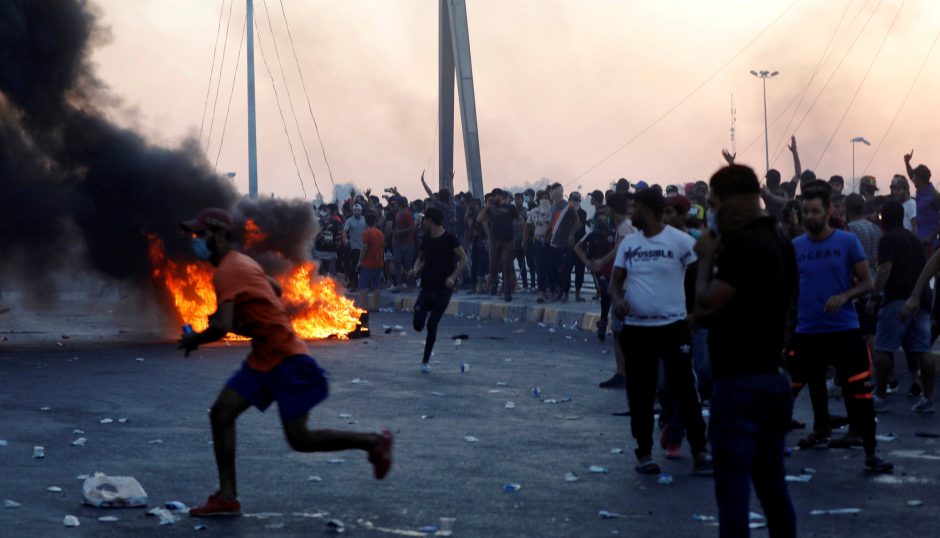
(429, 309)
(565, 257)
(647, 345)
(521, 262)
(352, 271)
(603, 286)
(847, 352)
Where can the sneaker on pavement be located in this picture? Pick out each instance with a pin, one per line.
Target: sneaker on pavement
(381, 456)
(923, 406)
(616, 381)
(813, 439)
(216, 506)
(425, 368)
(849, 440)
(703, 464)
(892, 387)
(646, 465)
(875, 464)
(881, 404)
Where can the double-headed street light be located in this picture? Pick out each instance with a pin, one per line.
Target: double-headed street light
(764, 75)
(855, 141)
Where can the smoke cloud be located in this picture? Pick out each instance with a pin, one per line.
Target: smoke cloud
(80, 192)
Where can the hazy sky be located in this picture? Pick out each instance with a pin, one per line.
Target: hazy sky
(560, 85)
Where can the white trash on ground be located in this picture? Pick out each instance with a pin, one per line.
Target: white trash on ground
(70, 521)
(105, 491)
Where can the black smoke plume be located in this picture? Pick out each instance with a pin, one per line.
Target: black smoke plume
(78, 191)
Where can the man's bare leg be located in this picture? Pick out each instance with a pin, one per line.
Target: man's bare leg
(618, 353)
(302, 439)
(928, 372)
(226, 409)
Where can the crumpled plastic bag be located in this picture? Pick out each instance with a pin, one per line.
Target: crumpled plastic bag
(105, 491)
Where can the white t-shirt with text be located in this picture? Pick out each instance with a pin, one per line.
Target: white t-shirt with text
(655, 267)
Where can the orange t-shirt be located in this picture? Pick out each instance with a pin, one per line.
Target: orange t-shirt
(373, 244)
(259, 313)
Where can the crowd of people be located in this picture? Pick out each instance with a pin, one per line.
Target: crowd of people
(728, 294)
(731, 294)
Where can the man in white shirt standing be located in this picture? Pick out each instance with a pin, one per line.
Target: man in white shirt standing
(901, 192)
(648, 292)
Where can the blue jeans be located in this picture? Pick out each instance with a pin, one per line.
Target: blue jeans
(750, 416)
(404, 259)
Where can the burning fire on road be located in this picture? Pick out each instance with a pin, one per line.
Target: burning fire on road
(317, 305)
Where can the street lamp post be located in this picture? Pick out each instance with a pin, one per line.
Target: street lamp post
(855, 141)
(764, 75)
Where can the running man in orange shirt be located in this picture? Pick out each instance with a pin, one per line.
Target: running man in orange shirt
(278, 367)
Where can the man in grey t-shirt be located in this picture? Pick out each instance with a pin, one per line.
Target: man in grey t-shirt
(353, 230)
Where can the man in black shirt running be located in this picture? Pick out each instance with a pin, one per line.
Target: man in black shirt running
(441, 260)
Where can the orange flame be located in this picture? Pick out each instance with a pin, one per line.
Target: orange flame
(190, 286)
(317, 305)
(253, 235)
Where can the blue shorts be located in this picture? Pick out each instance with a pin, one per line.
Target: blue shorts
(912, 335)
(370, 279)
(298, 384)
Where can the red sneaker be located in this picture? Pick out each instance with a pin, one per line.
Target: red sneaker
(216, 506)
(381, 456)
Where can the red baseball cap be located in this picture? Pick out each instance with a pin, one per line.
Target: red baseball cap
(209, 218)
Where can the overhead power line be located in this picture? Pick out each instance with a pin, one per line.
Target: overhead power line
(215, 103)
(290, 99)
(836, 70)
(687, 97)
(822, 59)
(860, 84)
(280, 111)
(316, 127)
(232, 93)
(907, 94)
(215, 49)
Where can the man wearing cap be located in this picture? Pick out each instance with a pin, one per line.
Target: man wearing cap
(278, 368)
(648, 295)
(867, 187)
(353, 229)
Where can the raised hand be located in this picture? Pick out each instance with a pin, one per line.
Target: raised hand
(729, 157)
(909, 156)
(792, 145)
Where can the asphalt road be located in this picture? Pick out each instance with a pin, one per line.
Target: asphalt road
(437, 472)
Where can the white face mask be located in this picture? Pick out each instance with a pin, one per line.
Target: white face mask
(545, 204)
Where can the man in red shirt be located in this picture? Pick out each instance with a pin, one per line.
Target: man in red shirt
(370, 263)
(278, 367)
